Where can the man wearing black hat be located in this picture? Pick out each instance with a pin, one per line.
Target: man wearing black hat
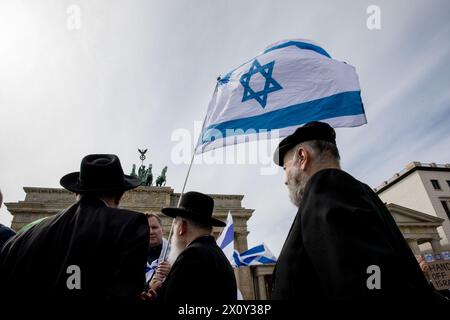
(89, 252)
(200, 271)
(343, 244)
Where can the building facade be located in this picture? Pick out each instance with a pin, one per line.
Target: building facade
(423, 187)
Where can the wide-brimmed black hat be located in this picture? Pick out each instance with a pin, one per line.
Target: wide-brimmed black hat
(311, 131)
(195, 206)
(99, 172)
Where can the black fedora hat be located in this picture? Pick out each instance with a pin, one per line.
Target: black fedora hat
(99, 172)
(195, 206)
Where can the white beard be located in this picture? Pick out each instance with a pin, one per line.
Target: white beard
(296, 185)
(176, 247)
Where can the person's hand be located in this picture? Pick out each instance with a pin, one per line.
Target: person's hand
(160, 275)
(149, 295)
(422, 263)
(155, 283)
(163, 269)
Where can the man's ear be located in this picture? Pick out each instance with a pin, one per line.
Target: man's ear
(183, 228)
(302, 157)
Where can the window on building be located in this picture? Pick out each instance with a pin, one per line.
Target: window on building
(436, 185)
(448, 182)
(446, 208)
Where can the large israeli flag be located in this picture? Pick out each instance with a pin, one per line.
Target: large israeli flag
(226, 239)
(289, 84)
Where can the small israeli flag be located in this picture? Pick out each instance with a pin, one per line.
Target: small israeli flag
(254, 256)
(226, 239)
(289, 84)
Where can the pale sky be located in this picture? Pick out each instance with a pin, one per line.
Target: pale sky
(135, 71)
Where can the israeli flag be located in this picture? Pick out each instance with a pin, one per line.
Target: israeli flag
(254, 256)
(226, 239)
(290, 83)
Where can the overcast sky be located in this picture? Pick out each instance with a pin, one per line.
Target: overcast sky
(135, 71)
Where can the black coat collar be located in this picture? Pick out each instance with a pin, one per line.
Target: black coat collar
(92, 200)
(203, 239)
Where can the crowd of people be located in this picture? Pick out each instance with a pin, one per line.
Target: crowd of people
(96, 251)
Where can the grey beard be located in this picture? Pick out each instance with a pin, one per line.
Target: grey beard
(296, 189)
(176, 247)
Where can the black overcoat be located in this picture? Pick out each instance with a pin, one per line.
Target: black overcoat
(109, 246)
(201, 273)
(341, 229)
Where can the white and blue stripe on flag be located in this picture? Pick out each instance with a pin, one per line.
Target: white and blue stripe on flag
(289, 84)
(226, 239)
(254, 256)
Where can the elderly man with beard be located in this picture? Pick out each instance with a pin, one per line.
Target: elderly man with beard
(343, 245)
(200, 270)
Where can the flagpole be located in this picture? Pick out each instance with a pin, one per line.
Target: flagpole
(186, 179)
(178, 205)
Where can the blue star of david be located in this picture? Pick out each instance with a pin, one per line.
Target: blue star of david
(270, 85)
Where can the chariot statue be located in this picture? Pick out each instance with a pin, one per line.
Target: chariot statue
(145, 174)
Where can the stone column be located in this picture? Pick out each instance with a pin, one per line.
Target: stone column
(262, 288)
(436, 245)
(236, 275)
(246, 283)
(413, 245)
(245, 274)
(240, 241)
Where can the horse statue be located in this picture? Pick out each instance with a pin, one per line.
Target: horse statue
(161, 180)
(133, 171)
(142, 174)
(149, 176)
